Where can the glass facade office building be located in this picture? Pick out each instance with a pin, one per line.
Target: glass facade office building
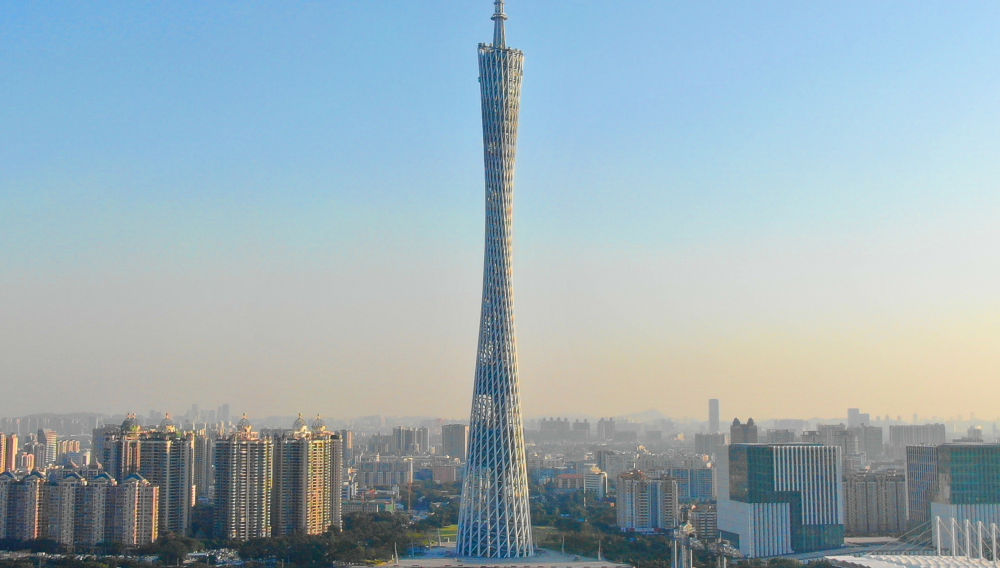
(783, 499)
(953, 481)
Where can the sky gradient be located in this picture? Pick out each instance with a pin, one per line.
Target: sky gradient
(790, 206)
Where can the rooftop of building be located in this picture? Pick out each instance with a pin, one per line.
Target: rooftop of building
(909, 561)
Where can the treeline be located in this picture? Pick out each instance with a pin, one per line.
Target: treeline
(366, 538)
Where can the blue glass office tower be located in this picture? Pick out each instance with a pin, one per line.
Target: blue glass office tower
(494, 520)
(782, 499)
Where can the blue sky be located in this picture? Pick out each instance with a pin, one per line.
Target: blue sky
(210, 198)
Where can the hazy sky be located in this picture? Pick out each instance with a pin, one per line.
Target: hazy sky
(792, 206)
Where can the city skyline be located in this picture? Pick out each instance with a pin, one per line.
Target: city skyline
(719, 200)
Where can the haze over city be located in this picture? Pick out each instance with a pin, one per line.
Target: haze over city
(787, 206)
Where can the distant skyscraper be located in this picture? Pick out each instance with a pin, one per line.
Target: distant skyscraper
(410, 441)
(713, 415)
(49, 440)
(903, 435)
(495, 518)
(244, 478)
(743, 433)
(606, 429)
(204, 442)
(455, 440)
(709, 444)
(11, 459)
(857, 418)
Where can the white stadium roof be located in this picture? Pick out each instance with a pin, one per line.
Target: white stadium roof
(910, 561)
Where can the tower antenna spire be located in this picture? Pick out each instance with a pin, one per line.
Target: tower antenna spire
(499, 37)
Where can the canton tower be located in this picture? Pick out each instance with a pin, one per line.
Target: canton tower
(494, 520)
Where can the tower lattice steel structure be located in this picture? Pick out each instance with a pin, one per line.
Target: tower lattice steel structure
(495, 520)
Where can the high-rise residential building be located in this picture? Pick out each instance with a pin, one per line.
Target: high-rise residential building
(606, 429)
(780, 436)
(24, 461)
(591, 480)
(303, 480)
(709, 444)
(646, 504)
(875, 504)
(90, 526)
(495, 518)
(903, 435)
(3, 452)
(347, 442)
(49, 441)
(99, 436)
(554, 430)
(10, 460)
(705, 519)
(204, 476)
(7, 479)
(168, 463)
(223, 414)
(871, 441)
(164, 457)
(740, 433)
(410, 441)
(384, 472)
(37, 450)
(244, 477)
(60, 508)
(133, 512)
(856, 418)
(781, 499)
(713, 416)
(337, 480)
(117, 449)
(455, 440)
(26, 507)
(693, 483)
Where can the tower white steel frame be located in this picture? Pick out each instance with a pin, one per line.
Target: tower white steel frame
(495, 520)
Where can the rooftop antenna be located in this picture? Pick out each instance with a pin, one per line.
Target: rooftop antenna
(499, 38)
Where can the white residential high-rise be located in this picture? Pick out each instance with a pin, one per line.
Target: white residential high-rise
(243, 482)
